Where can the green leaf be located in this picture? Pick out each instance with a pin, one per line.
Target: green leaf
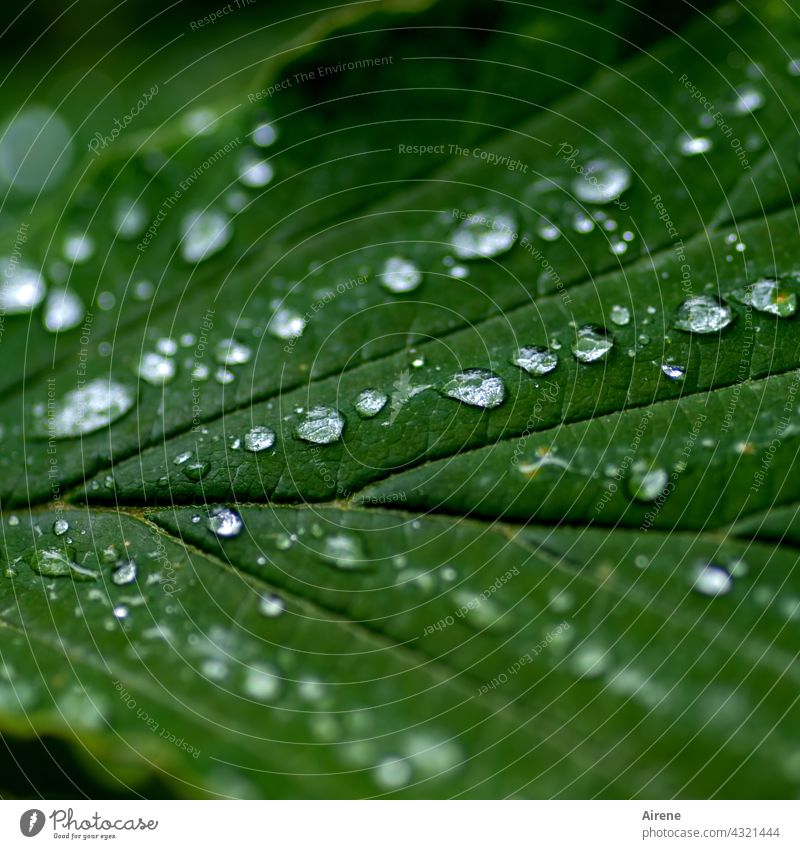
(450, 453)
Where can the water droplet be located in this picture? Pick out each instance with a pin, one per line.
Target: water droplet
(478, 612)
(224, 376)
(748, 99)
(96, 404)
(477, 388)
(200, 372)
(270, 606)
(286, 323)
(60, 527)
(22, 288)
(694, 145)
(63, 310)
(400, 275)
(703, 314)
(369, 403)
(392, 773)
(673, 372)
(35, 151)
(430, 754)
(768, 296)
(78, 247)
(264, 134)
(166, 346)
(263, 683)
(592, 344)
(590, 661)
(204, 233)
(620, 315)
(321, 425)
(711, 580)
(225, 522)
(254, 172)
(129, 218)
(646, 482)
(229, 352)
(125, 573)
(344, 550)
(181, 458)
(602, 181)
(536, 360)
(793, 67)
(582, 223)
(156, 369)
(259, 438)
(60, 563)
(484, 234)
(548, 231)
(197, 470)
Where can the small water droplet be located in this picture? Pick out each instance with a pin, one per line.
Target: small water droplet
(156, 369)
(369, 403)
(344, 551)
(259, 438)
(264, 134)
(620, 315)
(181, 458)
(536, 360)
(392, 773)
(602, 181)
(591, 344)
(22, 288)
(78, 247)
(63, 310)
(60, 527)
(694, 145)
(230, 352)
(129, 218)
(748, 99)
(400, 275)
(204, 233)
(590, 661)
(254, 171)
(711, 580)
(225, 522)
(270, 606)
(647, 482)
(286, 323)
(484, 234)
(321, 425)
(197, 470)
(477, 388)
(673, 372)
(768, 296)
(125, 573)
(703, 314)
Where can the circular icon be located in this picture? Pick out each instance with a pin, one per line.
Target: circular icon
(31, 822)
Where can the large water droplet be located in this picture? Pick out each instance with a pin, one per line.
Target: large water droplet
(60, 563)
(204, 233)
(96, 404)
(259, 438)
(536, 360)
(768, 296)
(321, 425)
(156, 369)
(369, 403)
(602, 181)
(673, 372)
(22, 288)
(286, 323)
(392, 773)
(225, 522)
(484, 234)
(711, 580)
(476, 387)
(63, 310)
(748, 99)
(400, 275)
(703, 314)
(592, 344)
(620, 315)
